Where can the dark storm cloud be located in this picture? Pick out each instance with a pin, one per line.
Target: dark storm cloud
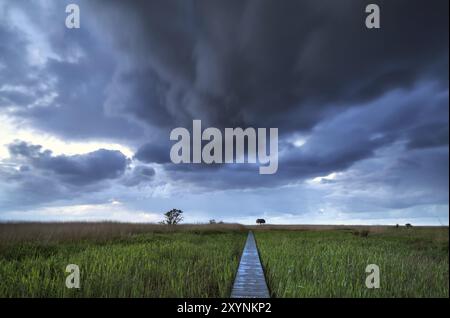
(139, 175)
(413, 178)
(64, 90)
(340, 141)
(158, 152)
(429, 135)
(19, 81)
(33, 176)
(290, 65)
(253, 63)
(75, 170)
(12, 51)
(77, 111)
(135, 70)
(27, 188)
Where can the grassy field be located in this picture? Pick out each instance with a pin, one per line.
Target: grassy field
(149, 260)
(119, 260)
(330, 262)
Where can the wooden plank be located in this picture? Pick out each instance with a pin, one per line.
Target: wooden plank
(250, 281)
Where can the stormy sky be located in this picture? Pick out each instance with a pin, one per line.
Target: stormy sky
(362, 114)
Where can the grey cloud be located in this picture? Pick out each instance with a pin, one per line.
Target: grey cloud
(429, 135)
(77, 169)
(337, 143)
(138, 175)
(394, 180)
(294, 65)
(254, 62)
(66, 94)
(33, 176)
(308, 68)
(157, 152)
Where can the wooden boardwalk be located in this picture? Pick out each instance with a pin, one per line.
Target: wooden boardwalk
(250, 281)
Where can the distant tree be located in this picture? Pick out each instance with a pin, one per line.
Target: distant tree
(397, 226)
(173, 217)
(408, 225)
(212, 221)
(260, 221)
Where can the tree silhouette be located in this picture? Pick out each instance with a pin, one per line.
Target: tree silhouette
(173, 217)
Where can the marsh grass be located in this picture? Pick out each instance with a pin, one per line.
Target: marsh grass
(199, 260)
(12, 232)
(331, 263)
(120, 260)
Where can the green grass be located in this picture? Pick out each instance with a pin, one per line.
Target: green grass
(412, 262)
(145, 260)
(184, 264)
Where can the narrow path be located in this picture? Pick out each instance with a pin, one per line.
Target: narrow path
(250, 281)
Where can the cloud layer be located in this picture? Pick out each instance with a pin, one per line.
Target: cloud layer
(367, 107)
